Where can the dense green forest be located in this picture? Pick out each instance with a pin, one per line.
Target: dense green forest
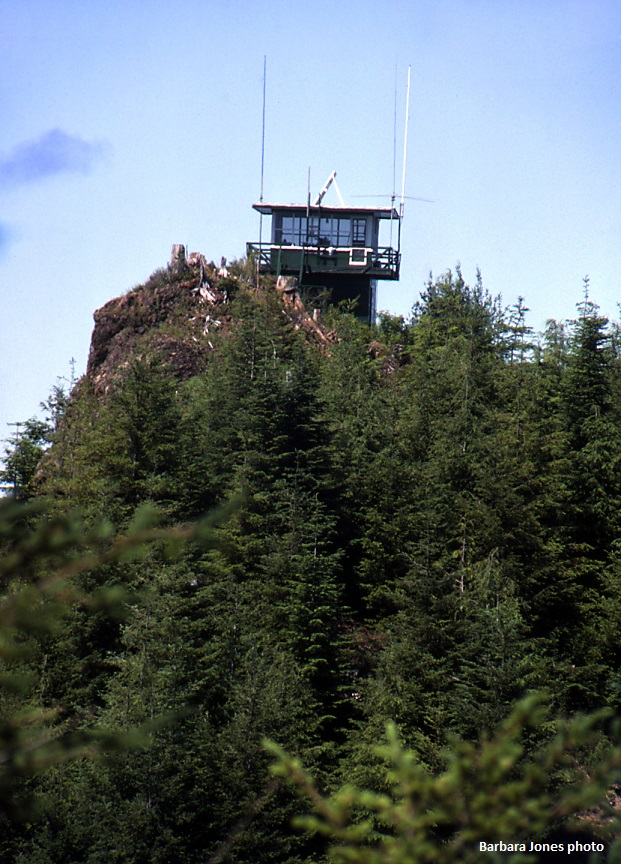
(422, 525)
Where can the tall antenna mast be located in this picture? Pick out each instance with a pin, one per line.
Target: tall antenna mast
(263, 128)
(405, 144)
(394, 156)
(262, 169)
(394, 143)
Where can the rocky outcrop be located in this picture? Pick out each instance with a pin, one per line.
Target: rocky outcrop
(164, 317)
(173, 316)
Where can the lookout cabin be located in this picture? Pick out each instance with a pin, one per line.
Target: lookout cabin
(335, 252)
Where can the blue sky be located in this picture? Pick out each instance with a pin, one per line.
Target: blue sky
(129, 126)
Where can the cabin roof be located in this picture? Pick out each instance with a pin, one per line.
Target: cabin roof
(378, 212)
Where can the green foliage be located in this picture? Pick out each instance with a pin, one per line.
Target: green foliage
(40, 573)
(22, 455)
(491, 791)
(425, 527)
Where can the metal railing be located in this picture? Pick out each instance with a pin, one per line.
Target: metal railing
(382, 262)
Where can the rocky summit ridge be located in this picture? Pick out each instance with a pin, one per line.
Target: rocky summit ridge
(175, 313)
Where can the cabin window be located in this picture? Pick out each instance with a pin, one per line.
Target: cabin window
(343, 232)
(326, 231)
(359, 232)
(312, 231)
(293, 230)
(335, 231)
(358, 257)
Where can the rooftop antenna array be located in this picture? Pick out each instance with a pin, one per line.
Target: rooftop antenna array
(393, 197)
(334, 251)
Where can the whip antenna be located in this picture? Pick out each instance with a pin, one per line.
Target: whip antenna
(405, 143)
(394, 156)
(262, 169)
(394, 143)
(263, 128)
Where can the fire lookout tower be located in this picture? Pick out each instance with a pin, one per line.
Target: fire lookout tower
(332, 250)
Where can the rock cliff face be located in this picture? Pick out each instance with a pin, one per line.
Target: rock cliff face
(166, 316)
(173, 314)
